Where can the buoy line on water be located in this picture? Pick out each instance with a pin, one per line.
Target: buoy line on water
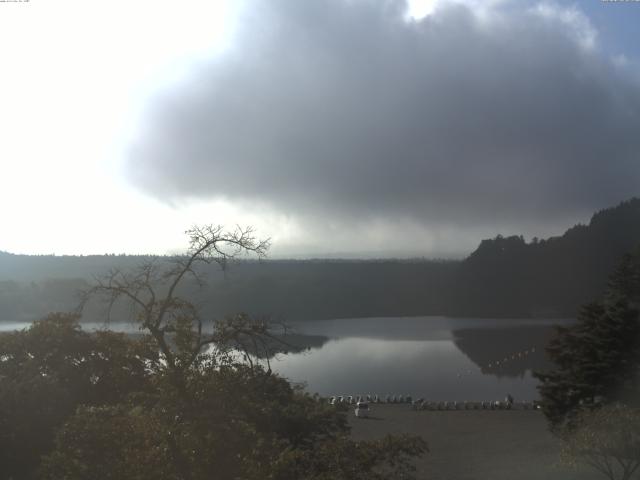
(497, 364)
(513, 356)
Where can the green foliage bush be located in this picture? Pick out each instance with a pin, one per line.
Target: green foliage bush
(175, 402)
(75, 405)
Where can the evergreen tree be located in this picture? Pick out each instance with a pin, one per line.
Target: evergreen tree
(598, 358)
(625, 280)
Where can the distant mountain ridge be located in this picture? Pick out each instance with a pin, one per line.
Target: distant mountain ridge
(503, 277)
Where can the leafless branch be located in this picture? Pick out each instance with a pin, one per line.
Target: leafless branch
(151, 291)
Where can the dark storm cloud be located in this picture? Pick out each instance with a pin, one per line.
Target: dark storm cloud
(343, 109)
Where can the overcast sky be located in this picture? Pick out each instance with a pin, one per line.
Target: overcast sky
(351, 128)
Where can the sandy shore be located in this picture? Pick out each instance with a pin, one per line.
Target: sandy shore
(479, 445)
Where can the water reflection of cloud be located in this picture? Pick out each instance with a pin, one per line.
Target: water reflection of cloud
(435, 368)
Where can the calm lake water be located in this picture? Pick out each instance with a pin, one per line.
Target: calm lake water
(437, 358)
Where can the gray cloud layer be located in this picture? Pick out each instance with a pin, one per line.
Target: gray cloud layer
(343, 109)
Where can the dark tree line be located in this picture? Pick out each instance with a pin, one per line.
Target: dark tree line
(503, 277)
(551, 277)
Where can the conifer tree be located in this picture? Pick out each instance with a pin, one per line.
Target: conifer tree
(598, 358)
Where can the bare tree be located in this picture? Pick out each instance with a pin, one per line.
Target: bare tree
(607, 439)
(152, 293)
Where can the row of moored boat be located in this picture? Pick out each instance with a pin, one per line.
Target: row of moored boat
(423, 404)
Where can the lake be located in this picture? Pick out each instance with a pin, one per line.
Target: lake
(438, 358)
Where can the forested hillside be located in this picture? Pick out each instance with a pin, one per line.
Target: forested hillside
(507, 276)
(503, 277)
